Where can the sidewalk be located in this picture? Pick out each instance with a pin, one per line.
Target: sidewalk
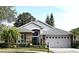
(64, 50)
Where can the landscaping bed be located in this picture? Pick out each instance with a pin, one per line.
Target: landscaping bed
(23, 50)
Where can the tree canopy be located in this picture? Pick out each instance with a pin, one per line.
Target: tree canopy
(7, 13)
(75, 31)
(23, 19)
(50, 20)
(47, 20)
(9, 35)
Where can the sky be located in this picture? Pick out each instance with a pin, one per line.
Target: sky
(66, 12)
(66, 17)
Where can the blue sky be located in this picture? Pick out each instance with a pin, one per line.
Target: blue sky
(66, 17)
(39, 13)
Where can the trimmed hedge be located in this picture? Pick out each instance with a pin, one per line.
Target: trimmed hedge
(76, 44)
(3, 45)
(31, 46)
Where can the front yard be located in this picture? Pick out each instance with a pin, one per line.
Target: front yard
(23, 50)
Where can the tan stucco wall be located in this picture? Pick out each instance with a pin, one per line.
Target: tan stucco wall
(29, 37)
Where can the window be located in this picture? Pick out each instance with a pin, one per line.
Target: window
(18, 41)
(68, 37)
(55, 37)
(49, 37)
(46, 37)
(62, 37)
(22, 36)
(35, 37)
(35, 33)
(21, 40)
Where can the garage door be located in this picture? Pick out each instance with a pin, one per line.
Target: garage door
(58, 42)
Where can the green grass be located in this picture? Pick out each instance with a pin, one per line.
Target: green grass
(23, 50)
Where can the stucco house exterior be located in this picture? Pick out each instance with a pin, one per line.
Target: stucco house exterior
(37, 32)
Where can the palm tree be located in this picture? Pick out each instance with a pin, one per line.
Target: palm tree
(13, 35)
(10, 35)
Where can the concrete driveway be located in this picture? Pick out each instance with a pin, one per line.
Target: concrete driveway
(64, 50)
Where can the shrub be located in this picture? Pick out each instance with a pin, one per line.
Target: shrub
(3, 45)
(76, 44)
(21, 45)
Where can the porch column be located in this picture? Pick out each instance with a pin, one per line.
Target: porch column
(43, 39)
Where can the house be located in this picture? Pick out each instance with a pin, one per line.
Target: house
(37, 32)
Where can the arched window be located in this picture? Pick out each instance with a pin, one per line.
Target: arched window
(36, 32)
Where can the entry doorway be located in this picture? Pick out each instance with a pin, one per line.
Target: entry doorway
(35, 36)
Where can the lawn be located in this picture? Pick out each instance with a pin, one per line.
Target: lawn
(24, 50)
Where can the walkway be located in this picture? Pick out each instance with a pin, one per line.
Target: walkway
(64, 50)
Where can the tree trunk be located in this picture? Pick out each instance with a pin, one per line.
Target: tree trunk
(8, 44)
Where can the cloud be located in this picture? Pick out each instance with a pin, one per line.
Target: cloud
(69, 19)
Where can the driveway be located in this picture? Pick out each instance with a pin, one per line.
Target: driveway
(64, 50)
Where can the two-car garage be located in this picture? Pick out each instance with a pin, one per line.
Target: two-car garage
(58, 41)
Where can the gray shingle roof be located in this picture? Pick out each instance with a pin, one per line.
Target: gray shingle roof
(30, 23)
(52, 31)
(55, 31)
(23, 30)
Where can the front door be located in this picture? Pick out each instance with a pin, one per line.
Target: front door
(35, 41)
(35, 37)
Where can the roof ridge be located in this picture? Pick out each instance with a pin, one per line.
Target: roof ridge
(45, 24)
(37, 25)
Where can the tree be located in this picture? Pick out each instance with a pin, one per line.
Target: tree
(75, 31)
(50, 20)
(2, 26)
(23, 19)
(10, 35)
(7, 13)
(47, 20)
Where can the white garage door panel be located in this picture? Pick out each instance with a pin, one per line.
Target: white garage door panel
(59, 43)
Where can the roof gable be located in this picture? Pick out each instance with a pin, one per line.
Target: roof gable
(24, 30)
(31, 25)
